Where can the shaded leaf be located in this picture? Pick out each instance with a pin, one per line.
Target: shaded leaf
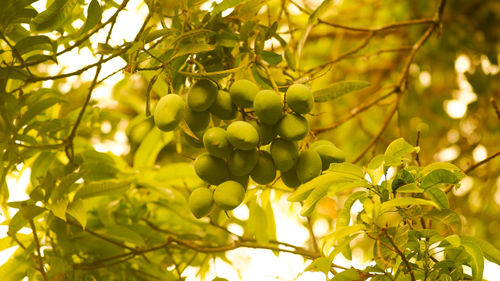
(437, 177)
(400, 202)
(100, 188)
(490, 252)
(271, 58)
(78, 211)
(21, 218)
(438, 196)
(338, 89)
(39, 42)
(55, 16)
(150, 147)
(94, 16)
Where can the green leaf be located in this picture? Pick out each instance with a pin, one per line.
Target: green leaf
(447, 218)
(100, 188)
(476, 259)
(438, 196)
(399, 148)
(22, 217)
(399, 202)
(191, 49)
(321, 264)
(271, 58)
(39, 42)
(78, 211)
(438, 166)
(344, 216)
(348, 169)
(338, 89)
(37, 108)
(490, 252)
(344, 231)
(58, 208)
(410, 188)
(153, 143)
(123, 233)
(94, 16)
(226, 4)
(438, 177)
(454, 240)
(347, 275)
(57, 14)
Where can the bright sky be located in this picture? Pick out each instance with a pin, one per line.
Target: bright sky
(254, 264)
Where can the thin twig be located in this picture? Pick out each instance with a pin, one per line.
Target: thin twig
(495, 106)
(41, 267)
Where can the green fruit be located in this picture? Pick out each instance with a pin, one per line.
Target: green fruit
(293, 127)
(290, 178)
(242, 135)
(229, 194)
(242, 162)
(308, 165)
(196, 121)
(267, 133)
(200, 202)
(216, 142)
(243, 93)
(243, 180)
(211, 169)
(264, 171)
(169, 112)
(202, 95)
(290, 59)
(284, 154)
(223, 107)
(328, 152)
(299, 98)
(139, 131)
(268, 107)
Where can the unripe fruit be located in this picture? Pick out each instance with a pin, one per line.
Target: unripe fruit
(328, 152)
(243, 180)
(284, 154)
(243, 93)
(293, 127)
(229, 194)
(169, 112)
(290, 178)
(242, 135)
(211, 169)
(308, 166)
(266, 132)
(242, 162)
(264, 171)
(201, 202)
(202, 95)
(223, 107)
(196, 121)
(137, 133)
(299, 98)
(216, 142)
(192, 140)
(268, 107)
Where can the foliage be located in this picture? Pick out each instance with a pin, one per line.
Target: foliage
(98, 215)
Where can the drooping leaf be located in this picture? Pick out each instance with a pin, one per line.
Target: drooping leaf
(438, 196)
(22, 217)
(58, 208)
(38, 42)
(226, 4)
(447, 218)
(476, 259)
(490, 252)
(152, 144)
(409, 188)
(321, 264)
(271, 58)
(344, 216)
(347, 275)
(55, 16)
(78, 211)
(94, 16)
(338, 89)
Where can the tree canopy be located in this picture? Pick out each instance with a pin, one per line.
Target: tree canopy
(137, 140)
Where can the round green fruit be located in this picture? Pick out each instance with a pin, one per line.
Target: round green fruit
(191, 140)
(264, 171)
(223, 107)
(284, 154)
(267, 133)
(308, 165)
(216, 142)
(329, 153)
(229, 194)
(299, 98)
(211, 169)
(243, 93)
(139, 131)
(200, 202)
(242, 135)
(290, 178)
(243, 180)
(196, 121)
(169, 112)
(242, 162)
(293, 127)
(202, 95)
(268, 107)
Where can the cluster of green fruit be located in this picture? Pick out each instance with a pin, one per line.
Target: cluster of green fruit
(255, 149)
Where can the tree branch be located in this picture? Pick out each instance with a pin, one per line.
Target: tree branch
(41, 267)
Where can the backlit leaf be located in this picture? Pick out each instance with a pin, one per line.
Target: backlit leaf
(338, 89)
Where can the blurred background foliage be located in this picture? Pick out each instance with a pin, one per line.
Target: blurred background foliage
(446, 101)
